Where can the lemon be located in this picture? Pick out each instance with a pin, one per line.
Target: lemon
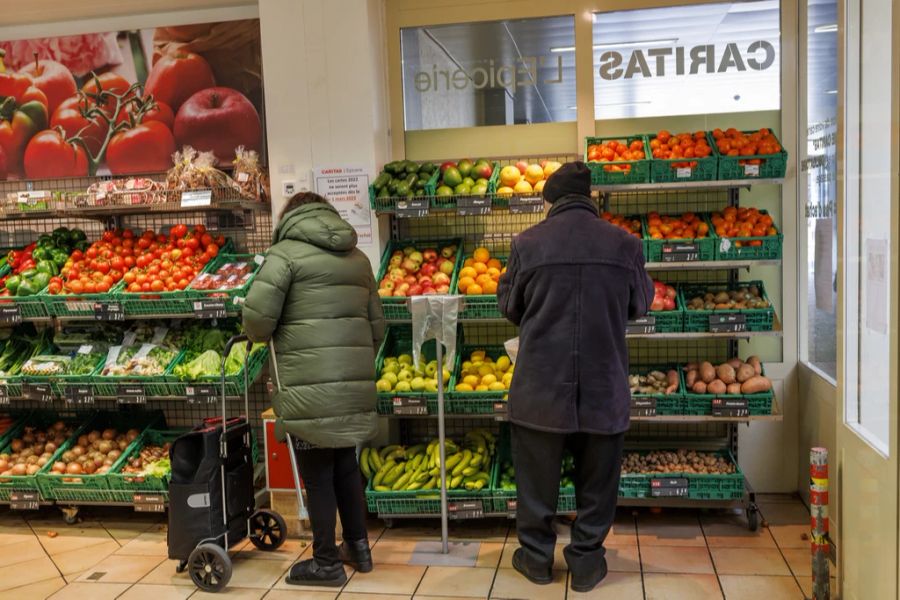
(484, 370)
(503, 363)
(481, 388)
(472, 380)
(464, 387)
(507, 380)
(496, 387)
(478, 355)
(467, 365)
(489, 379)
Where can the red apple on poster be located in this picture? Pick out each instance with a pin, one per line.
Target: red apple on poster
(3, 172)
(49, 155)
(175, 78)
(52, 78)
(218, 119)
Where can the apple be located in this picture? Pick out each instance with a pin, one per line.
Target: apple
(415, 290)
(657, 304)
(399, 293)
(178, 76)
(385, 293)
(426, 283)
(447, 165)
(448, 252)
(482, 170)
(387, 285)
(409, 280)
(395, 261)
(668, 303)
(218, 119)
(409, 265)
(408, 250)
(428, 269)
(397, 273)
(447, 267)
(442, 289)
(52, 78)
(522, 166)
(429, 292)
(440, 279)
(670, 292)
(416, 257)
(659, 287)
(430, 255)
(403, 287)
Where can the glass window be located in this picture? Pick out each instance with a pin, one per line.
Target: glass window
(686, 60)
(489, 73)
(819, 174)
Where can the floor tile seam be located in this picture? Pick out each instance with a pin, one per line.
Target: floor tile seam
(712, 559)
(44, 548)
(12, 589)
(637, 537)
(790, 569)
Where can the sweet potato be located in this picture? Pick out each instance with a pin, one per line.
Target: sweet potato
(707, 372)
(733, 388)
(672, 380)
(690, 367)
(690, 378)
(745, 373)
(716, 387)
(699, 387)
(756, 385)
(726, 373)
(757, 364)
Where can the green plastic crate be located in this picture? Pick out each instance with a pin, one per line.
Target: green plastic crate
(234, 298)
(663, 170)
(75, 305)
(19, 421)
(452, 202)
(234, 384)
(480, 402)
(30, 307)
(123, 486)
(397, 341)
(389, 203)
(666, 405)
(701, 404)
(757, 319)
(481, 306)
(396, 308)
(92, 488)
(770, 247)
(700, 487)
(706, 247)
(773, 166)
(419, 502)
(155, 385)
(640, 169)
(501, 498)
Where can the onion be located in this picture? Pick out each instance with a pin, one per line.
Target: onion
(59, 426)
(108, 462)
(114, 454)
(43, 461)
(39, 449)
(50, 447)
(95, 445)
(41, 437)
(4, 465)
(74, 469)
(16, 446)
(26, 453)
(68, 456)
(132, 434)
(109, 434)
(103, 469)
(19, 469)
(105, 447)
(94, 435)
(77, 451)
(31, 460)
(83, 441)
(99, 460)
(89, 468)
(28, 439)
(32, 469)
(59, 467)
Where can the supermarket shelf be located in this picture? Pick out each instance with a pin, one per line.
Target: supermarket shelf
(141, 317)
(711, 265)
(102, 212)
(776, 415)
(685, 185)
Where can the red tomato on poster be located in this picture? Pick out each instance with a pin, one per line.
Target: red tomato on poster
(175, 78)
(147, 148)
(49, 155)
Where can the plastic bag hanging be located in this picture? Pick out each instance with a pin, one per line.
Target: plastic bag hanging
(512, 348)
(434, 317)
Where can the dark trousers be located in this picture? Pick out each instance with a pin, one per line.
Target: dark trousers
(333, 484)
(537, 457)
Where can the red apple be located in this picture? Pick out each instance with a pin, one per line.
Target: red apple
(385, 293)
(657, 304)
(177, 77)
(671, 293)
(218, 119)
(403, 287)
(482, 171)
(397, 273)
(447, 165)
(399, 293)
(668, 303)
(522, 166)
(442, 289)
(414, 290)
(429, 292)
(387, 285)
(52, 78)
(409, 280)
(430, 254)
(447, 267)
(395, 261)
(428, 269)
(448, 251)
(440, 279)
(659, 287)
(426, 283)
(416, 257)
(409, 265)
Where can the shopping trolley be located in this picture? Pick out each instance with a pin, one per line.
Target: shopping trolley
(212, 503)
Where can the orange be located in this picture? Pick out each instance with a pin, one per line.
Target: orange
(494, 263)
(474, 290)
(469, 262)
(490, 288)
(468, 272)
(481, 255)
(480, 267)
(493, 273)
(482, 280)
(465, 283)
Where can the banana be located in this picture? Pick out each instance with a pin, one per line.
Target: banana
(402, 482)
(435, 472)
(364, 464)
(392, 477)
(430, 485)
(415, 450)
(422, 476)
(467, 458)
(454, 483)
(388, 449)
(382, 472)
(469, 471)
(454, 460)
(382, 488)
(397, 454)
(477, 460)
(375, 460)
(414, 486)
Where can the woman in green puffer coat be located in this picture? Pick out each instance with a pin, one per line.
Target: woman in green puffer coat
(315, 297)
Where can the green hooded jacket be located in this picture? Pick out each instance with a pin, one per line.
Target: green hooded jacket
(315, 297)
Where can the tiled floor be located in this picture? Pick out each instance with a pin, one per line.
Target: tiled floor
(672, 555)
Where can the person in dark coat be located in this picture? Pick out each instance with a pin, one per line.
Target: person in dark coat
(315, 297)
(572, 283)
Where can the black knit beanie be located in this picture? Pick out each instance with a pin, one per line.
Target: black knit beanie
(571, 178)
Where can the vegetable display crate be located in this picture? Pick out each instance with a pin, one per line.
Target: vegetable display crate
(452, 201)
(389, 203)
(142, 304)
(478, 402)
(123, 486)
(663, 170)
(30, 307)
(755, 319)
(759, 404)
(40, 420)
(75, 305)
(234, 297)
(234, 384)
(728, 486)
(421, 503)
(657, 251)
(750, 248)
(481, 306)
(107, 386)
(763, 166)
(95, 487)
(396, 308)
(666, 404)
(13, 385)
(501, 499)
(669, 321)
(15, 429)
(397, 341)
(638, 173)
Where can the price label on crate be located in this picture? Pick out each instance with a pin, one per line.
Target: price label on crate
(643, 407)
(469, 509)
(730, 407)
(727, 323)
(683, 172)
(202, 394)
(511, 506)
(519, 205)
(641, 326)
(194, 198)
(501, 411)
(131, 393)
(24, 500)
(670, 487)
(412, 208)
(155, 503)
(210, 309)
(473, 206)
(751, 170)
(680, 252)
(37, 392)
(410, 406)
(10, 315)
(108, 311)
(79, 395)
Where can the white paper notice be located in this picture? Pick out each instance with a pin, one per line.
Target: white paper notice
(876, 290)
(347, 188)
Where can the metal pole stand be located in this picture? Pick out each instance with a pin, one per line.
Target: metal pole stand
(818, 506)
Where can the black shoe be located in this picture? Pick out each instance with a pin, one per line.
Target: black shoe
(588, 581)
(518, 562)
(357, 555)
(309, 572)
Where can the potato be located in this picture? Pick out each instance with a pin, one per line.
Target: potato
(699, 387)
(745, 373)
(735, 363)
(716, 387)
(726, 373)
(691, 377)
(756, 385)
(757, 364)
(733, 388)
(707, 372)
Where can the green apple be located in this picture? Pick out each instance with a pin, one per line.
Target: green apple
(405, 375)
(417, 384)
(405, 359)
(394, 368)
(431, 369)
(402, 386)
(430, 385)
(391, 378)
(383, 385)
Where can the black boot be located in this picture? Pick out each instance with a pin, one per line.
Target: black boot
(309, 572)
(536, 576)
(585, 582)
(357, 555)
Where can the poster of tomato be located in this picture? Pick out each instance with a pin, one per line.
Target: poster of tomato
(122, 102)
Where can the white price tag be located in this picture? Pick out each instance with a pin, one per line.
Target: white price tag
(751, 170)
(683, 172)
(243, 176)
(195, 198)
(85, 349)
(259, 259)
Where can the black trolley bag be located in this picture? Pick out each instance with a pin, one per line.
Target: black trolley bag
(212, 502)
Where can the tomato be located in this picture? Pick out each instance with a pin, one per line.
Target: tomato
(206, 240)
(145, 287)
(69, 115)
(143, 243)
(75, 286)
(128, 234)
(157, 285)
(130, 277)
(212, 250)
(191, 242)
(129, 262)
(48, 155)
(146, 148)
(102, 287)
(199, 229)
(183, 283)
(220, 241)
(178, 231)
(204, 258)
(175, 254)
(90, 287)
(134, 287)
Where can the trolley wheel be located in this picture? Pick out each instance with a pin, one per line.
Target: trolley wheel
(210, 567)
(268, 531)
(181, 566)
(388, 523)
(753, 517)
